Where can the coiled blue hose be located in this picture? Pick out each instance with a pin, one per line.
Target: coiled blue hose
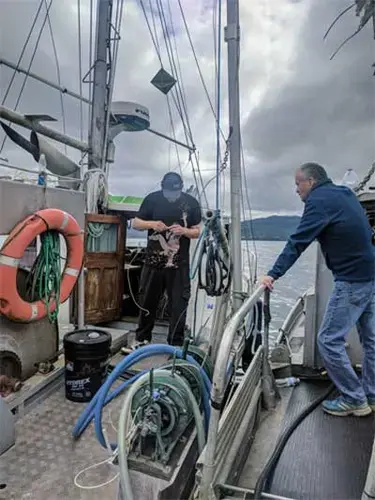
(101, 398)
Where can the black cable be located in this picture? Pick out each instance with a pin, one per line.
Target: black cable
(266, 474)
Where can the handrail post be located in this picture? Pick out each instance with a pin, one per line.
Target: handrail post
(269, 388)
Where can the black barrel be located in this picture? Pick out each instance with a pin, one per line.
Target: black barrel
(87, 354)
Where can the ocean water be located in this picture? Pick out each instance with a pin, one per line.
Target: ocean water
(293, 284)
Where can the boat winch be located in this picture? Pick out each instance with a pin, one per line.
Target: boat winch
(162, 410)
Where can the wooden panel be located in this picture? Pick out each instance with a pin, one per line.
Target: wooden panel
(104, 278)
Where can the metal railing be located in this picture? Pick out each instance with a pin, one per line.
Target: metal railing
(219, 384)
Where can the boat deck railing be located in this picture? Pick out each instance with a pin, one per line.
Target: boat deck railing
(219, 383)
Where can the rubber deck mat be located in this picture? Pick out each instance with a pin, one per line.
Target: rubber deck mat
(327, 457)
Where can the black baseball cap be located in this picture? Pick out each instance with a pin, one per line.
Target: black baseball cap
(172, 181)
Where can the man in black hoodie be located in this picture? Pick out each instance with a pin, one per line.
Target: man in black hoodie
(334, 216)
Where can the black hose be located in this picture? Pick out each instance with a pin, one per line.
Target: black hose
(214, 271)
(270, 466)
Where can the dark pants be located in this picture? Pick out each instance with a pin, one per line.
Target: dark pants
(153, 283)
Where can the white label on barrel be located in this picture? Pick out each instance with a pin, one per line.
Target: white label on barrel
(77, 384)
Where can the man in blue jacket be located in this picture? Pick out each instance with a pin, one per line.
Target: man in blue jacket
(334, 217)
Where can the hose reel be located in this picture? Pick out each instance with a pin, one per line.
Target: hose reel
(161, 411)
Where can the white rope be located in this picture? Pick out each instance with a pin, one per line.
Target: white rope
(96, 189)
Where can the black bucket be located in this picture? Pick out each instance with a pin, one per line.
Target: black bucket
(87, 354)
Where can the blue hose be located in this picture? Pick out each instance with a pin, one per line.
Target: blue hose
(101, 398)
(88, 414)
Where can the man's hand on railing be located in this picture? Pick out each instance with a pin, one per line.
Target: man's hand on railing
(267, 282)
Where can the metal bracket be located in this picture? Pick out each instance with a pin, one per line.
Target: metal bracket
(232, 32)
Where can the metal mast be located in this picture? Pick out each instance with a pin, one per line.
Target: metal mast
(101, 91)
(232, 37)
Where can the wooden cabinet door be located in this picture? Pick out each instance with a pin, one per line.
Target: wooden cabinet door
(104, 268)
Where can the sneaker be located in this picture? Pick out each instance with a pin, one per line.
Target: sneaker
(136, 344)
(341, 408)
(371, 402)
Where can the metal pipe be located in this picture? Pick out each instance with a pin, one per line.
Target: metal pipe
(64, 90)
(218, 389)
(35, 172)
(70, 93)
(299, 304)
(232, 37)
(18, 119)
(267, 321)
(81, 299)
(100, 104)
(218, 324)
(268, 383)
(175, 141)
(236, 489)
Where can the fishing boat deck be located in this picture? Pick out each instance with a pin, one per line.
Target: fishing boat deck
(45, 459)
(326, 456)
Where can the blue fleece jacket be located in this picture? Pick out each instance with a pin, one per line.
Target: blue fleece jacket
(334, 217)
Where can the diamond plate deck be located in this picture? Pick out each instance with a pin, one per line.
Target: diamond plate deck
(43, 463)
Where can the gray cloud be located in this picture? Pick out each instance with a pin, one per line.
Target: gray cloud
(296, 104)
(325, 113)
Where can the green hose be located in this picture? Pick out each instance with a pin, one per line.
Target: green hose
(44, 280)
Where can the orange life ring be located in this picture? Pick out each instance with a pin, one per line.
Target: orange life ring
(11, 304)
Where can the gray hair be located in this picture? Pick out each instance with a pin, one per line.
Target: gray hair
(314, 171)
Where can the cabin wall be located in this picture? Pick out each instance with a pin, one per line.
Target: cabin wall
(18, 200)
(32, 343)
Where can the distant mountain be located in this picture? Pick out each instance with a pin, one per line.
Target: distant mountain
(274, 228)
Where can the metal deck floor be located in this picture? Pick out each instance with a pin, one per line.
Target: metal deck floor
(326, 457)
(43, 463)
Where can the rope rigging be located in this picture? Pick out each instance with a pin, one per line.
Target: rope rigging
(363, 8)
(22, 52)
(58, 73)
(31, 60)
(155, 41)
(178, 93)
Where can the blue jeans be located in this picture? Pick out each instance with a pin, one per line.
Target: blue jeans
(350, 304)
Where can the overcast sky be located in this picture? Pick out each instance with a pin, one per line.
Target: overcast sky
(296, 104)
